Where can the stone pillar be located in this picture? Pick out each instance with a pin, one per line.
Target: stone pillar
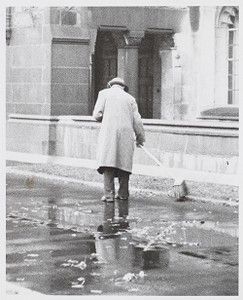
(128, 60)
(167, 92)
(167, 80)
(131, 70)
(121, 63)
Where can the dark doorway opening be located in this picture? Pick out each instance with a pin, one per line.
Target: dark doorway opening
(145, 77)
(105, 60)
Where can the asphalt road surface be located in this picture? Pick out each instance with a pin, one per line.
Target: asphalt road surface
(62, 240)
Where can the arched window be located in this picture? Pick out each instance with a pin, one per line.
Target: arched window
(233, 59)
(227, 56)
(226, 96)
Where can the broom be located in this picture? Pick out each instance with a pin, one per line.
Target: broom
(179, 186)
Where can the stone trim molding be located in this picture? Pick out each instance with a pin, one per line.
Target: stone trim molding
(70, 41)
(159, 31)
(189, 127)
(224, 17)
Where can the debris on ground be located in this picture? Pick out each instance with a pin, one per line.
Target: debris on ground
(74, 263)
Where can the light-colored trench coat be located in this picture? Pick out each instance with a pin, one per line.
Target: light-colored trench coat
(118, 112)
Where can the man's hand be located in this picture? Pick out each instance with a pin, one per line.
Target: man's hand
(138, 144)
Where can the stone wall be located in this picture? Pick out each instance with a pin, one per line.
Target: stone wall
(49, 58)
(198, 146)
(27, 64)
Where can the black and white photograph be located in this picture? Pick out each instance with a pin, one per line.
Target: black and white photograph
(121, 137)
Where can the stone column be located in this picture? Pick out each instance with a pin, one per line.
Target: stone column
(128, 60)
(167, 80)
(131, 70)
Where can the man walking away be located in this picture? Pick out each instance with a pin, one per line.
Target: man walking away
(118, 112)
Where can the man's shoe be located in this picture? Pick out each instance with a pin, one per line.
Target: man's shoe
(104, 199)
(120, 198)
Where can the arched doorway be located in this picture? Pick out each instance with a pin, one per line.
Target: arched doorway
(105, 60)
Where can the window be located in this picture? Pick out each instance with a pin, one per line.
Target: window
(226, 92)
(233, 62)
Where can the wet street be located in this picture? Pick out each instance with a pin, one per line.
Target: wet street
(62, 240)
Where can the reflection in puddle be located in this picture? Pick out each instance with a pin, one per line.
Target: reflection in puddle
(63, 242)
(115, 246)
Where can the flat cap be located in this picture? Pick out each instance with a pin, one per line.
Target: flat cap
(116, 80)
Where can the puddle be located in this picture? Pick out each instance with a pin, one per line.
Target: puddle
(77, 247)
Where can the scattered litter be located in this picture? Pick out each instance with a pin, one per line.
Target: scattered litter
(24, 208)
(82, 279)
(78, 286)
(96, 291)
(73, 261)
(26, 259)
(93, 255)
(33, 255)
(20, 279)
(123, 247)
(115, 272)
(88, 211)
(74, 234)
(141, 274)
(129, 277)
(95, 274)
(132, 243)
(124, 238)
(82, 265)
(65, 265)
(133, 290)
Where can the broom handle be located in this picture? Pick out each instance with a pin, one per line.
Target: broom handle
(155, 159)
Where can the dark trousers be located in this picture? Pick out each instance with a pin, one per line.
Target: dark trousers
(109, 183)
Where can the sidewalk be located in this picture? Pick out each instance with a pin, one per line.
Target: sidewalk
(227, 195)
(14, 289)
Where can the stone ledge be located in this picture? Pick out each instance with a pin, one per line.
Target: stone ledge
(196, 123)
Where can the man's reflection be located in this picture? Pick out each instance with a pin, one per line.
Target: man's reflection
(114, 245)
(113, 240)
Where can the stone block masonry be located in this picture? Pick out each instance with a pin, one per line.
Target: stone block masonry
(201, 147)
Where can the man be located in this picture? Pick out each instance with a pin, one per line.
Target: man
(118, 112)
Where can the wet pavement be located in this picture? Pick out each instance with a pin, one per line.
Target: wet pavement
(62, 240)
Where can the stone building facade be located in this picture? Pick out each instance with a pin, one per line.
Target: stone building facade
(180, 63)
(173, 59)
